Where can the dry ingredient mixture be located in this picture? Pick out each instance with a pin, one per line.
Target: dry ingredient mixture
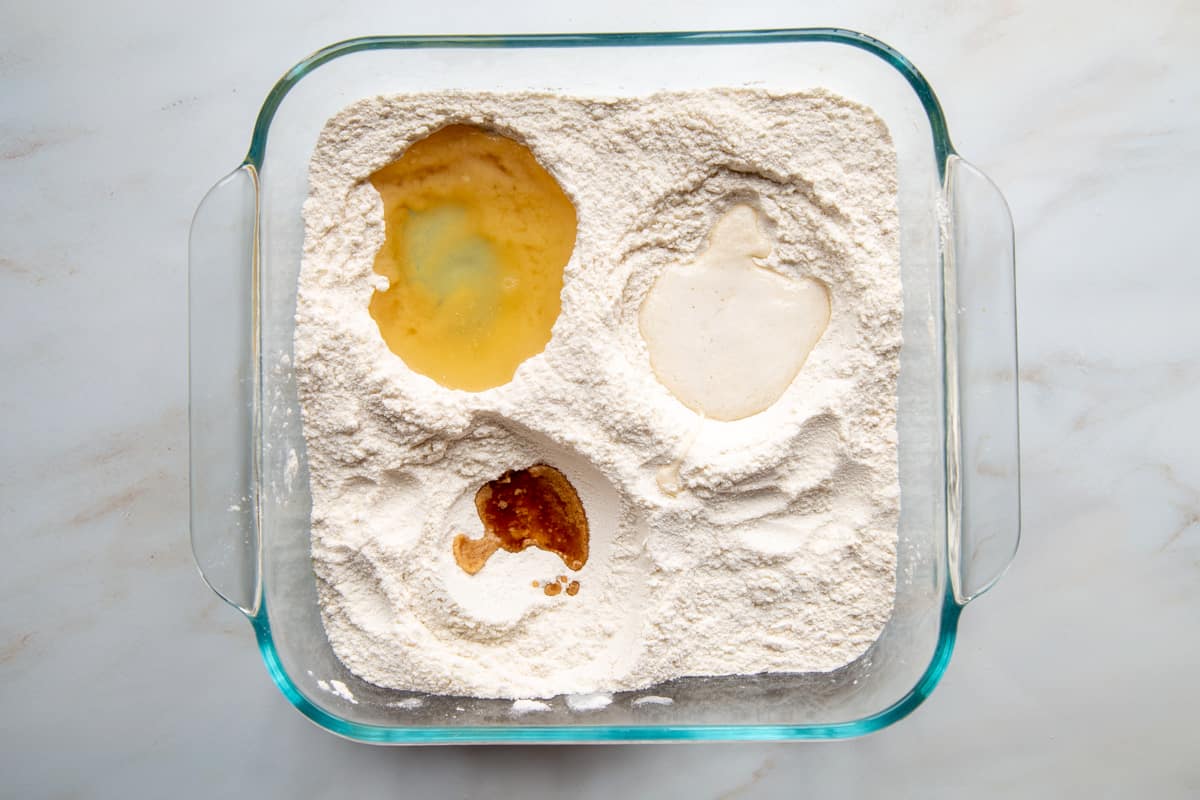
(718, 537)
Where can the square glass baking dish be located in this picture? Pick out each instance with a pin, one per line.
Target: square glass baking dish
(959, 465)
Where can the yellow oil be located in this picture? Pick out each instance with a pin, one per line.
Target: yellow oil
(477, 236)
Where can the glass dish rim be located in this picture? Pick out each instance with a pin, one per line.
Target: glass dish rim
(951, 606)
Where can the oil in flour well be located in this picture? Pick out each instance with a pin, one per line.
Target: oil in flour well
(477, 236)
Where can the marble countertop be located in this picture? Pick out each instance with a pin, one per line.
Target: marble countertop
(121, 675)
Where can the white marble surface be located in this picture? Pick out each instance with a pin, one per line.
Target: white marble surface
(121, 675)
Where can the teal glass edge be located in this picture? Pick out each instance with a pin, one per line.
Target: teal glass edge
(933, 109)
(951, 609)
(583, 734)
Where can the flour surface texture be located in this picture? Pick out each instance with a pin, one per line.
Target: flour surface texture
(764, 544)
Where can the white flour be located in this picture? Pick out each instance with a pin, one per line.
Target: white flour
(774, 548)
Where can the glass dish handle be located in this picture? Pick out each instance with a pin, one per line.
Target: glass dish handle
(981, 354)
(222, 362)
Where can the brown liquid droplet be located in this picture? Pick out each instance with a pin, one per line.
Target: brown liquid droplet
(535, 507)
(573, 588)
(562, 578)
(535, 584)
(552, 589)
